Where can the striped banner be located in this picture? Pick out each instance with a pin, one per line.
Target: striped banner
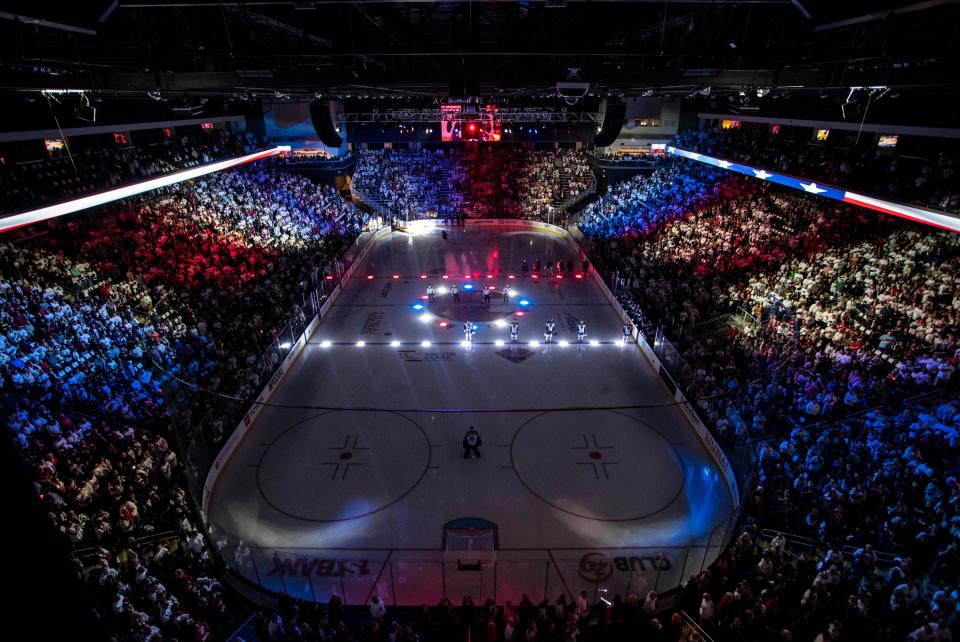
(911, 212)
(108, 196)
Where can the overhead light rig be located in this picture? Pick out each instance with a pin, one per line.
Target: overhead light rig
(433, 115)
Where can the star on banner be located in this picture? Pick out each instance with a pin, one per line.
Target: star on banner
(761, 174)
(724, 164)
(812, 188)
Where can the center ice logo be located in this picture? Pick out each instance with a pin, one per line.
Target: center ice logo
(516, 355)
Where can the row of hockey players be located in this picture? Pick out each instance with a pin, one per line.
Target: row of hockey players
(549, 330)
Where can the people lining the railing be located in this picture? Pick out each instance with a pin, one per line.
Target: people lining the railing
(931, 181)
(483, 182)
(36, 183)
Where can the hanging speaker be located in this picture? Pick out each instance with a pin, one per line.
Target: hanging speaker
(612, 124)
(323, 123)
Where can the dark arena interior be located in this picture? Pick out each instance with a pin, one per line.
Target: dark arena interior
(540, 321)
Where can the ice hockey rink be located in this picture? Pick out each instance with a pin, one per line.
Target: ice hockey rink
(353, 481)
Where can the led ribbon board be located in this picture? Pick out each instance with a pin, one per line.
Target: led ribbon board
(917, 214)
(100, 198)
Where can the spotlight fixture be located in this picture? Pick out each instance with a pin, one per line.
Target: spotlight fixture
(849, 109)
(86, 112)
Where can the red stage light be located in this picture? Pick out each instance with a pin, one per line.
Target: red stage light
(445, 276)
(329, 278)
(489, 276)
(369, 277)
(396, 276)
(536, 276)
(423, 276)
(518, 313)
(443, 324)
(424, 297)
(511, 277)
(579, 276)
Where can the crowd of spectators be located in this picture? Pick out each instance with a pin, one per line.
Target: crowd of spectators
(839, 305)
(644, 203)
(877, 496)
(929, 179)
(196, 281)
(489, 181)
(35, 183)
(103, 318)
(560, 620)
(500, 182)
(114, 492)
(837, 317)
(407, 183)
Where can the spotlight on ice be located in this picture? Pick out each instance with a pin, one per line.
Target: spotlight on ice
(534, 344)
(361, 343)
(498, 342)
(594, 342)
(442, 290)
(421, 226)
(425, 344)
(285, 345)
(500, 323)
(425, 317)
(464, 344)
(325, 344)
(564, 344)
(395, 344)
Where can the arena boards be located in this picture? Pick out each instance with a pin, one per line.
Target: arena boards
(355, 482)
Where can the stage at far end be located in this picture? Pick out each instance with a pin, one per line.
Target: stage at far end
(325, 496)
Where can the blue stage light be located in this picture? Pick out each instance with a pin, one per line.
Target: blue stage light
(468, 286)
(524, 302)
(418, 306)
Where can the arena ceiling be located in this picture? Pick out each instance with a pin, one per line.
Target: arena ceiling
(375, 48)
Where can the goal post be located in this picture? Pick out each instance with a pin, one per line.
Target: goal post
(470, 544)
